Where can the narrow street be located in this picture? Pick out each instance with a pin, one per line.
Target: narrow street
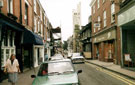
(93, 75)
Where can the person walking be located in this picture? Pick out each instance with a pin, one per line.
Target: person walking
(12, 68)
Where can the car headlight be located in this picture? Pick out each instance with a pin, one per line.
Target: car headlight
(75, 84)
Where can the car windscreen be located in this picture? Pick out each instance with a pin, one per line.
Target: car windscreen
(53, 68)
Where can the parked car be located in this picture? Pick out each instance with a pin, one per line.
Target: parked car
(59, 72)
(77, 58)
(57, 57)
(69, 55)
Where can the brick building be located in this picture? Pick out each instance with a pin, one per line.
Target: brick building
(23, 32)
(105, 33)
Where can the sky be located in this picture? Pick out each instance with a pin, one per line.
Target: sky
(59, 13)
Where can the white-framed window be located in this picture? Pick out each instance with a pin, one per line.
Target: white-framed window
(99, 22)
(41, 14)
(10, 6)
(104, 1)
(93, 9)
(44, 18)
(8, 46)
(104, 17)
(98, 3)
(35, 6)
(26, 14)
(6, 53)
(41, 30)
(35, 24)
(38, 26)
(112, 12)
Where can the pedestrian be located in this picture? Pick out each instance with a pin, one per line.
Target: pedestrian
(12, 68)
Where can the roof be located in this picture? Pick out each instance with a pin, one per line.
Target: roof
(85, 27)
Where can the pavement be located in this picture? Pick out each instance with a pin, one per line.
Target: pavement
(23, 78)
(113, 67)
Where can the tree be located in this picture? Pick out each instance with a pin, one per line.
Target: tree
(65, 45)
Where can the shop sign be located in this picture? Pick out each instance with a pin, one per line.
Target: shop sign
(106, 36)
(127, 57)
(127, 15)
(97, 25)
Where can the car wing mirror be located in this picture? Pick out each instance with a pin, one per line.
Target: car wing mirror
(33, 76)
(79, 71)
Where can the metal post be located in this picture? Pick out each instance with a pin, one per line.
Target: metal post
(122, 60)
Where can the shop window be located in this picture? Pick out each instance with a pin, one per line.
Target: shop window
(11, 39)
(6, 39)
(8, 46)
(2, 57)
(7, 54)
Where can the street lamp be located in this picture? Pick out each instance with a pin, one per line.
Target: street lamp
(1, 5)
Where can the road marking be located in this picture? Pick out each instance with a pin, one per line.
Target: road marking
(119, 76)
(129, 82)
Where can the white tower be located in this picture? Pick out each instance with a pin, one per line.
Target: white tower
(77, 16)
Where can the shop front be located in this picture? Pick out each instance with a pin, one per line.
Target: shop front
(33, 49)
(104, 46)
(10, 41)
(126, 22)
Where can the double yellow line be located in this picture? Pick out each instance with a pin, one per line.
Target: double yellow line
(127, 81)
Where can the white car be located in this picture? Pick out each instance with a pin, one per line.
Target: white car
(77, 58)
(69, 55)
(57, 57)
(60, 72)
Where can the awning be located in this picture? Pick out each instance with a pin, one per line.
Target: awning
(11, 25)
(4, 20)
(32, 38)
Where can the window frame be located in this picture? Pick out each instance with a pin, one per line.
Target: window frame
(112, 12)
(105, 18)
(99, 19)
(98, 4)
(93, 9)
(26, 14)
(35, 6)
(35, 24)
(10, 6)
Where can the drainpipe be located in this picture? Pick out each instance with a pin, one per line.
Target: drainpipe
(0, 61)
(21, 11)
